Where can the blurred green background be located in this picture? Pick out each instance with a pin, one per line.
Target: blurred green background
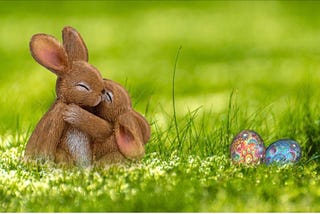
(243, 65)
(267, 51)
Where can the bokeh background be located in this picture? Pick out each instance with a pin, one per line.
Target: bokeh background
(267, 51)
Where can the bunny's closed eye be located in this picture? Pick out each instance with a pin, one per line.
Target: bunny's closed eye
(108, 96)
(82, 86)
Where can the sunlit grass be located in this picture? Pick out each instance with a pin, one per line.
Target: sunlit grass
(171, 183)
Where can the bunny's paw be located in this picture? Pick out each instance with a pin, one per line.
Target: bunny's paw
(72, 113)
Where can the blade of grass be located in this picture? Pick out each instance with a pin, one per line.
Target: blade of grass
(173, 98)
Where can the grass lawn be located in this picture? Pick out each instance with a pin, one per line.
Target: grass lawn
(242, 65)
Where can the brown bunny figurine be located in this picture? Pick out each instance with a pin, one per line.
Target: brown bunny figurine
(78, 82)
(131, 130)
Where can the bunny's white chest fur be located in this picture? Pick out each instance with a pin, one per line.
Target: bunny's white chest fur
(79, 146)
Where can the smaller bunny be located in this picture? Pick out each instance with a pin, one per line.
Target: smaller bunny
(78, 82)
(130, 133)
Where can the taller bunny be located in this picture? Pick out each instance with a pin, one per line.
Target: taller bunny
(78, 83)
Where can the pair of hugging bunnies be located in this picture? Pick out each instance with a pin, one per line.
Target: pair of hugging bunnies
(92, 120)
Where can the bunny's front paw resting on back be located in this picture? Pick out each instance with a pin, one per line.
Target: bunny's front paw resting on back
(72, 114)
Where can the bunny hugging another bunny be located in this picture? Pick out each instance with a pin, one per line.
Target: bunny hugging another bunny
(131, 129)
(80, 85)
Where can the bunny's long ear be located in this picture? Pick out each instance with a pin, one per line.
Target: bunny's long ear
(74, 45)
(49, 52)
(144, 126)
(130, 135)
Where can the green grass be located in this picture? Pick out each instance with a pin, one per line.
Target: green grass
(242, 65)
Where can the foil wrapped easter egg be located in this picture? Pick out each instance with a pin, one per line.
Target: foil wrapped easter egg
(282, 152)
(247, 148)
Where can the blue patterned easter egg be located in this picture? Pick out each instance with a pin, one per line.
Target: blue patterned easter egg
(247, 148)
(283, 152)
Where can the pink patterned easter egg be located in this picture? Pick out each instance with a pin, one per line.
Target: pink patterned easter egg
(247, 148)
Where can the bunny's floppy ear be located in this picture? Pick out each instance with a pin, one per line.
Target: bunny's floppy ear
(74, 45)
(130, 134)
(48, 51)
(144, 126)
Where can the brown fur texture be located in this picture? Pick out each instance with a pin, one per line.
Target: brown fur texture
(78, 83)
(130, 132)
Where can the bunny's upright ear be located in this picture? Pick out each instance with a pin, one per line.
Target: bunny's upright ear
(49, 52)
(132, 132)
(74, 45)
